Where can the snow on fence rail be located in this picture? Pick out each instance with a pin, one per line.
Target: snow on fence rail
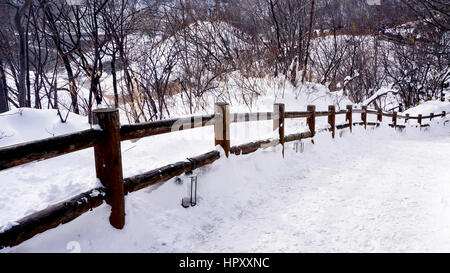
(108, 162)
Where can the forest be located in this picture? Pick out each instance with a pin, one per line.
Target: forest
(148, 57)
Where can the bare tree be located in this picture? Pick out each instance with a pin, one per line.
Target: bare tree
(21, 10)
(3, 90)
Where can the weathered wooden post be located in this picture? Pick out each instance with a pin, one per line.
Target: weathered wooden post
(349, 116)
(108, 163)
(419, 119)
(443, 116)
(431, 116)
(278, 122)
(222, 126)
(332, 119)
(364, 116)
(311, 121)
(394, 120)
(407, 118)
(380, 115)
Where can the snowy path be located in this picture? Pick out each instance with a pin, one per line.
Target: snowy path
(368, 191)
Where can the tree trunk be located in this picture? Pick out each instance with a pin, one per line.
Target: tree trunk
(3, 90)
(72, 86)
(27, 62)
(114, 76)
(308, 41)
(22, 92)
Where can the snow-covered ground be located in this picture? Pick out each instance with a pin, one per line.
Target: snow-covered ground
(373, 190)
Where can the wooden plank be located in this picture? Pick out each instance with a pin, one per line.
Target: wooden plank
(133, 131)
(322, 113)
(278, 122)
(297, 114)
(18, 154)
(299, 136)
(262, 144)
(167, 172)
(343, 126)
(349, 117)
(368, 124)
(364, 116)
(394, 119)
(358, 111)
(222, 126)
(311, 121)
(397, 126)
(368, 111)
(253, 146)
(52, 217)
(332, 119)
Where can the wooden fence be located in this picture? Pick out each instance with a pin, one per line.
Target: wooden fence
(107, 134)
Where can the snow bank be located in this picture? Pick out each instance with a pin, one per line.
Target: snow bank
(432, 106)
(27, 124)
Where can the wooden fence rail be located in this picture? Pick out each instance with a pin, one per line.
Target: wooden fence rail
(108, 134)
(23, 153)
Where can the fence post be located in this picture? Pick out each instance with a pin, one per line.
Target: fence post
(431, 116)
(278, 122)
(311, 121)
(380, 115)
(108, 163)
(349, 116)
(394, 120)
(332, 118)
(419, 119)
(364, 116)
(222, 126)
(407, 118)
(443, 114)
